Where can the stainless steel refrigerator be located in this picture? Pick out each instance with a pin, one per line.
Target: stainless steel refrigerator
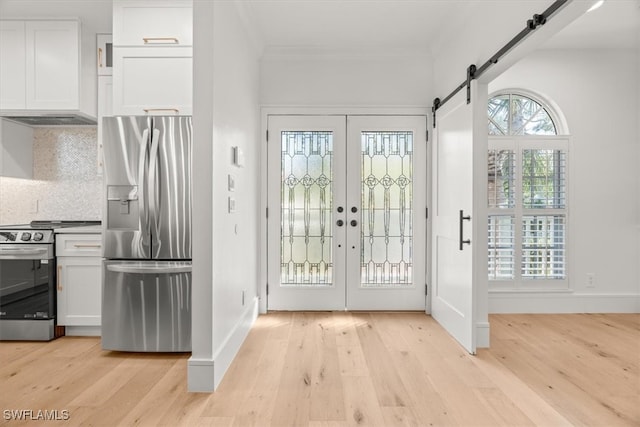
(146, 274)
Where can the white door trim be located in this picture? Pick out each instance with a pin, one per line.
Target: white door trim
(267, 110)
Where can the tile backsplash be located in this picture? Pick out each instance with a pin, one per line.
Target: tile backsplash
(65, 184)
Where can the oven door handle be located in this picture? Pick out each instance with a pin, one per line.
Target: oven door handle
(21, 252)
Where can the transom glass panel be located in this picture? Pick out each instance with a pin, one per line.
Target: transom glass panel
(386, 215)
(513, 114)
(306, 218)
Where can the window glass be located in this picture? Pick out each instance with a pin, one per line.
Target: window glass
(525, 176)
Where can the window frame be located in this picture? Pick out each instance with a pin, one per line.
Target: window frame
(518, 144)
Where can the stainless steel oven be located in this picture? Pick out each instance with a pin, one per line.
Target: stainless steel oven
(27, 284)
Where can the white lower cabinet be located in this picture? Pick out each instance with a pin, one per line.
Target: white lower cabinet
(79, 283)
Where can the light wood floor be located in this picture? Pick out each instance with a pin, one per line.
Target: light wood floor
(333, 369)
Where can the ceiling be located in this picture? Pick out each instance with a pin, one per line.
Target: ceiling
(421, 25)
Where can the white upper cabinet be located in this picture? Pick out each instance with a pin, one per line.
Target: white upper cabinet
(12, 65)
(152, 57)
(155, 81)
(53, 65)
(40, 67)
(16, 150)
(147, 23)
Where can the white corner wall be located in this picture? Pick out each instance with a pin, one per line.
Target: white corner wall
(598, 92)
(225, 257)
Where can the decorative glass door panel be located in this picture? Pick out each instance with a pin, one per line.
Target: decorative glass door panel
(306, 188)
(346, 222)
(386, 237)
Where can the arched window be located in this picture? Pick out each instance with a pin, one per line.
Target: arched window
(527, 188)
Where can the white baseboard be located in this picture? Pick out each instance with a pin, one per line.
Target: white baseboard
(83, 331)
(482, 334)
(200, 375)
(229, 348)
(204, 375)
(560, 303)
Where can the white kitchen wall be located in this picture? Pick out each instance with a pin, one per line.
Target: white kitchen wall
(225, 244)
(598, 93)
(65, 184)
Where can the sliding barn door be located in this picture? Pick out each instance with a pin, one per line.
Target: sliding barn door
(459, 157)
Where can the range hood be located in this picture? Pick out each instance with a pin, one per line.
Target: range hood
(52, 119)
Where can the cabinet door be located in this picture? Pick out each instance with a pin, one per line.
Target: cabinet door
(12, 65)
(146, 23)
(16, 150)
(52, 58)
(105, 108)
(152, 81)
(79, 291)
(104, 54)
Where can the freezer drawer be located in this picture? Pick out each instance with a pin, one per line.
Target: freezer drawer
(146, 306)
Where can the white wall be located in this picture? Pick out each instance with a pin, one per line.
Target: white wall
(225, 244)
(598, 93)
(483, 32)
(346, 79)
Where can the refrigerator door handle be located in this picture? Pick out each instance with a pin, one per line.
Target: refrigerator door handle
(143, 236)
(149, 269)
(153, 190)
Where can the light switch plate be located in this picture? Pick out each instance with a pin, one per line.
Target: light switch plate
(238, 157)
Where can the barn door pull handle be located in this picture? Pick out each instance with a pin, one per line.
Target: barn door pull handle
(463, 218)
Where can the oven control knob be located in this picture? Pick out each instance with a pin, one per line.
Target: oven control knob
(25, 237)
(37, 236)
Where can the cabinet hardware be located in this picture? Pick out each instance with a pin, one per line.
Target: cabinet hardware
(148, 110)
(148, 40)
(100, 57)
(87, 246)
(58, 278)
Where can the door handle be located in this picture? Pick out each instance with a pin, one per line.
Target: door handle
(100, 57)
(153, 189)
(463, 218)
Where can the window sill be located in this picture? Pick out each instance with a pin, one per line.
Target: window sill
(530, 291)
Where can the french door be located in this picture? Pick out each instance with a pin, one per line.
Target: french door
(346, 212)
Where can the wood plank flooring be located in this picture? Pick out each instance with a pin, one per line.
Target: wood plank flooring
(340, 369)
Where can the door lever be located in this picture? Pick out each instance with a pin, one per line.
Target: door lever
(463, 218)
